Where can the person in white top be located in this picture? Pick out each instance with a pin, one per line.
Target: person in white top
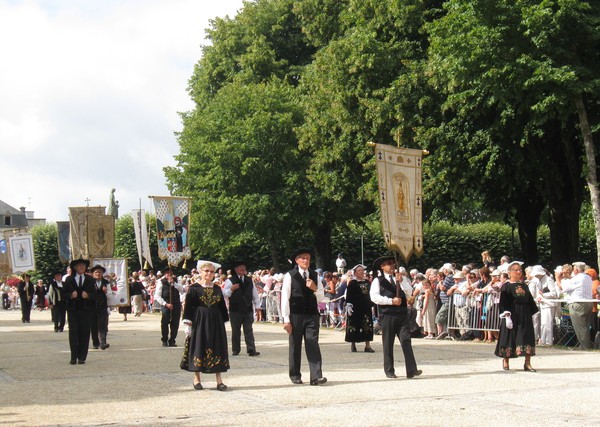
(578, 289)
(547, 290)
(340, 263)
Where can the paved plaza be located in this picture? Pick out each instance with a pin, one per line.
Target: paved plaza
(138, 382)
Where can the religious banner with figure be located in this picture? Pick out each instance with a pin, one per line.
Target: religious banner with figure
(101, 236)
(64, 251)
(400, 197)
(117, 293)
(141, 235)
(172, 228)
(21, 253)
(78, 236)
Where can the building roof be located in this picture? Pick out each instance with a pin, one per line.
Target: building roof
(18, 218)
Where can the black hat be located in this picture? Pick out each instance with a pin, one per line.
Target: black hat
(57, 273)
(238, 263)
(98, 267)
(298, 252)
(79, 261)
(377, 263)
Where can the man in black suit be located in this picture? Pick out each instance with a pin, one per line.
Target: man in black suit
(168, 297)
(99, 316)
(81, 301)
(57, 298)
(26, 291)
(387, 293)
(300, 293)
(242, 296)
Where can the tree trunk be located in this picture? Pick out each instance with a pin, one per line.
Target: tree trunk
(529, 210)
(322, 235)
(591, 178)
(274, 253)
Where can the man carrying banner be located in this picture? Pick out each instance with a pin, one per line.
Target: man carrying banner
(81, 301)
(168, 296)
(242, 296)
(99, 321)
(393, 316)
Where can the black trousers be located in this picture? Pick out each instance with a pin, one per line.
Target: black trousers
(393, 326)
(25, 309)
(79, 333)
(94, 328)
(102, 326)
(239, 320)
(170, 319)
(305, 326)
(59, 313)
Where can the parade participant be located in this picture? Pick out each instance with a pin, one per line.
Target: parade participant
(578, 290)
(517, 336)
(99, 318)
(26, 290)
(204, 317)
(299, 295)
(393, 317)
(137, 293)
(81, 301)
(242, 295)
(359, 326)
(58, 302)
(168, 296)
(40, 293)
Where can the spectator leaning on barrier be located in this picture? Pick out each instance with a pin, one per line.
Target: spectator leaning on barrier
(578, 289)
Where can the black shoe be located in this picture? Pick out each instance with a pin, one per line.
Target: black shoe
(55, 329)
(221, 387)
(172, 344)
(392, 375)
(81, 362)
(73, 361)
(318, 381)
(235, 353)
(198, 386)
(353, 348)
(104, 346)
(296, 381)
(96, 347)
(414, 373)
(253, 353)
(369, 350)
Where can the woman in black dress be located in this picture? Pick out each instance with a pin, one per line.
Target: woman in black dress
(516, 328)
(204, 316)
(359, 325)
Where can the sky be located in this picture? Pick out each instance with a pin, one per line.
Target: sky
(90, 92)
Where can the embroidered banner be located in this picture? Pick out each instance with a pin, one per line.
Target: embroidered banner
(172, 228)
(64, 251)
(78, 218)
(141, 236)
(400, 197)
(101, 236)
(117, 293)
(21, 253)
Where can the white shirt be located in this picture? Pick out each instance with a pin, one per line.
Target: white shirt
(286, 292)
(158, 292)
(375, 292)
(227, 293)
(578, 288)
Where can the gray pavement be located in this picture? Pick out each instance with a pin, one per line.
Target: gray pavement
(138, 382)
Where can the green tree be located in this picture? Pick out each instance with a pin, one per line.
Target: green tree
(45, 247)
(125, 246)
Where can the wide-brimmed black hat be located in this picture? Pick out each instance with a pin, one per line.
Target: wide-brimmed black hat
(298, 252)
(79, 261)
(377, 263)
(98, 267)
(237, 263)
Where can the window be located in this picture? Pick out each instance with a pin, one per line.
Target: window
(7, 220)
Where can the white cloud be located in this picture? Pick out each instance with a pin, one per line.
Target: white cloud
(90, 92)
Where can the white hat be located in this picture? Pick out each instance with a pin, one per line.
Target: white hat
(159, 273)
(537, 270)
(510, 264)
(496, 272)
(447, 266)
(359, 265)
(201, 261)
(459, 275)
(558, 269)
(580, 265)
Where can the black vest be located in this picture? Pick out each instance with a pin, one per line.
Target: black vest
(101, 300)
(386, 289)
(302, 299)
(171, 296)
(240, 300)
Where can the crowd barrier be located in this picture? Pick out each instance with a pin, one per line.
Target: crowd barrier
(475, 312)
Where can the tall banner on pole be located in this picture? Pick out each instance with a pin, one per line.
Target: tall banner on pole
(79, 217)
(172, 228)
(21, 253)
(400, 197)
(141, 235)
(101, 236)
(117, 293)
(64, 251)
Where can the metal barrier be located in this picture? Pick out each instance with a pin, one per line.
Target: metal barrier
(475, 312)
